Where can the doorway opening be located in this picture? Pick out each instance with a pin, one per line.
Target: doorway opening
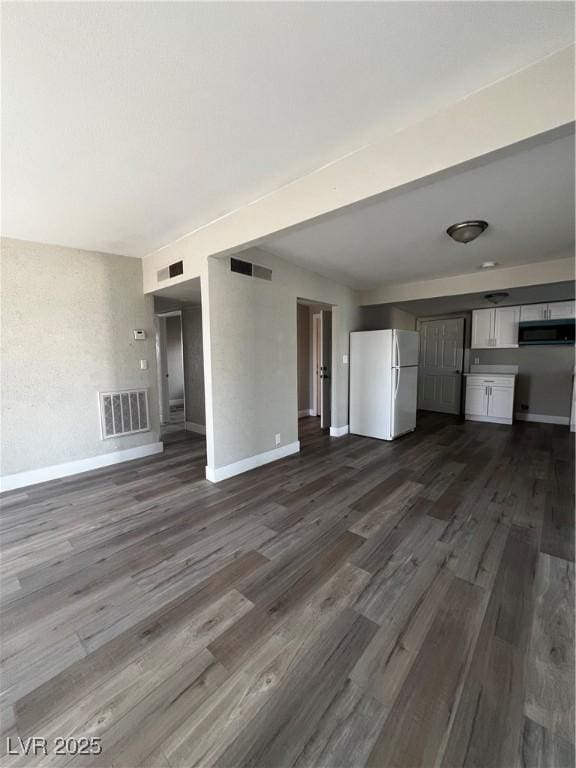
(441, 363)
(180, 361)
(314, 344)
(170, 356)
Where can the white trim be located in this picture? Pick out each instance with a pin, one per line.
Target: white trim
(42, 475)
(178, 401)
(216, 474)
(542, 418)
(339, 431)
(306, 412)
(315, 410)
(191, 426)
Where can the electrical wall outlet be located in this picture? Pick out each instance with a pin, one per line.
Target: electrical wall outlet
(476, 361)
(277, 438)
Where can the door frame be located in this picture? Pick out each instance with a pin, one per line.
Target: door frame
(326, 391)
(316, 340)
(162, 352)
(466, 316)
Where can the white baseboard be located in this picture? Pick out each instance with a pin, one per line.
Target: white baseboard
(339, 431)
(191, 426)
(306, 412)
(542, 418)
(42, 475)
(215, 475)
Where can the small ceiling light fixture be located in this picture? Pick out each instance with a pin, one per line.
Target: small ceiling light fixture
(466, 231)
(488, 265)
(496, 298)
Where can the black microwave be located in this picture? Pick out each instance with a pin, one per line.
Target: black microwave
(546, 332)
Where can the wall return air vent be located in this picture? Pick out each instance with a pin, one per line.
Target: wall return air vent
(250, 270)
(172, 270)
(124, 412)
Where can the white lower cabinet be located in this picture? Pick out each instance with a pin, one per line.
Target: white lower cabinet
(476, 400)
(490, 398)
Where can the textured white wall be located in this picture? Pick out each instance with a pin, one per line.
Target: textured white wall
(544, 380)
(67, 320)
(380, 318)
(253, 352)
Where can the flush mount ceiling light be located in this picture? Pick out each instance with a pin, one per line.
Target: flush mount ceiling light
(496, 298)
(488, 265)
(466, 231)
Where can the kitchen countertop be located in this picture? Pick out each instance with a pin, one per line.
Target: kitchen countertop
(494, 370)
(491, 373)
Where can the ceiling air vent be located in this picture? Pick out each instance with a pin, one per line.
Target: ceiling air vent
(249, 269)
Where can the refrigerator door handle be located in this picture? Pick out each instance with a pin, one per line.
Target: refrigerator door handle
(397, 373)
(397, 362)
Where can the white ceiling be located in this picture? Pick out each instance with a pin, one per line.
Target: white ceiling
(526, 197)
(127, 125)
(532, 294)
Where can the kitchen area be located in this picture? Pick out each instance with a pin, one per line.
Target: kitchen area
(493, 357)
(521, 361)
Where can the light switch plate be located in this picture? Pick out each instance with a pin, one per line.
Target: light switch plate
(139, 334)
(345, 359)
(144, 365)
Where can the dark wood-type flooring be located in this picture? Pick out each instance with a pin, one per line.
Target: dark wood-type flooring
(360, 604)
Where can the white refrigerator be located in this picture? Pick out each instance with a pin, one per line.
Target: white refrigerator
(383, 383)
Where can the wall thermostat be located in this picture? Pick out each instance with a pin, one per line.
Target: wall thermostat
(139, 335)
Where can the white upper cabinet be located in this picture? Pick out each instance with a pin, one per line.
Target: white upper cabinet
(534, 312)
(482, 328)
(506, 321)
(497, 327)
(555, 310)
(560, 310)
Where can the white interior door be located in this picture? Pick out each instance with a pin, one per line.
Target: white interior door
(325, 368)
(440, 372)
(316, 358)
